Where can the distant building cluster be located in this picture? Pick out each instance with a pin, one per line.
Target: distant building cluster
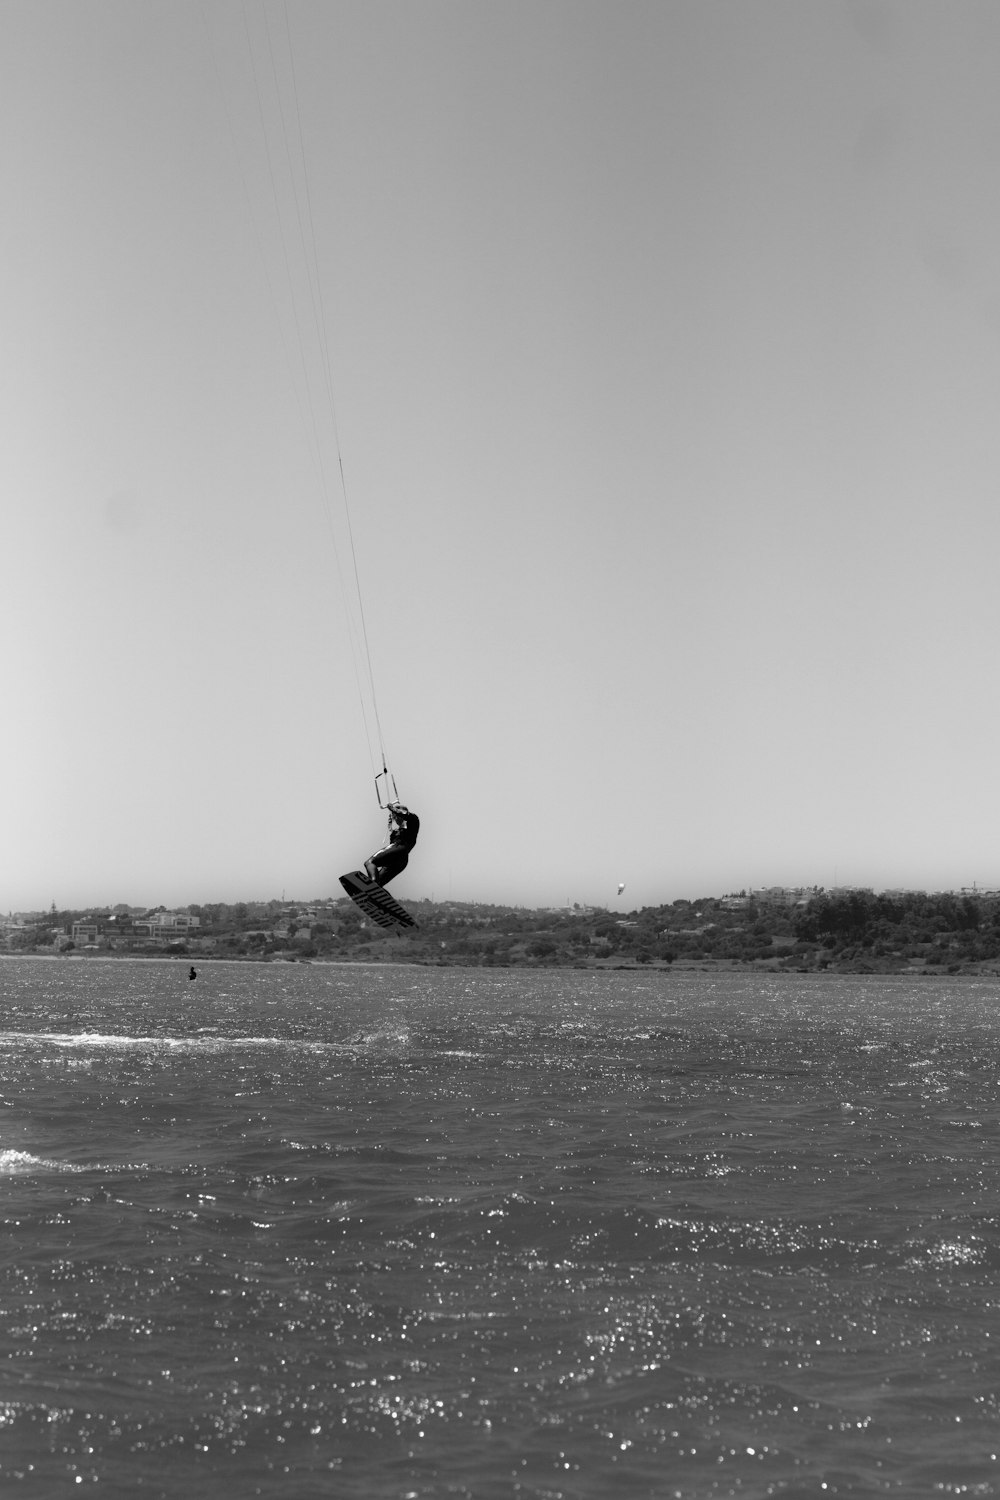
(127, 927)
(773, 895)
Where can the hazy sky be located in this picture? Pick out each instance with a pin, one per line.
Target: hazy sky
(664, 347)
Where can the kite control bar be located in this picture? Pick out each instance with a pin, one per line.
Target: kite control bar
(385, 776)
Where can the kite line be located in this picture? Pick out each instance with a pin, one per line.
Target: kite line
(290, 218)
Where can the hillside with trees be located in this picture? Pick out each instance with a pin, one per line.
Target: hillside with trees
(853, 931)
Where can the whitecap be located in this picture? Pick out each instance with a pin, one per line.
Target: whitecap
(21, 1163)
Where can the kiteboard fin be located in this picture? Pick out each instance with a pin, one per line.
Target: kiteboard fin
(374, 900)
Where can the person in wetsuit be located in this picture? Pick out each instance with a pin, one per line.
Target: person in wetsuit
(389, 861)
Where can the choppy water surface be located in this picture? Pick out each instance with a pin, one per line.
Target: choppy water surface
(334, 1231)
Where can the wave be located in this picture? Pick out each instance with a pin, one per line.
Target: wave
(23, 1163)
(212, 1042)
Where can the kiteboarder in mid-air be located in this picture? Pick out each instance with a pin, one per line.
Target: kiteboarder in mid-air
(389, 861)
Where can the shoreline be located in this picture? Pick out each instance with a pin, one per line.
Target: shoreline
(987, 969)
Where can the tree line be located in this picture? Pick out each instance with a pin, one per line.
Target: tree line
(847, 931)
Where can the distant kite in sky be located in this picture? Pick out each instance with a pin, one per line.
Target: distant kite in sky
(621, 887)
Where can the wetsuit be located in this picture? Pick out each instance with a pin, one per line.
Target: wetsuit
(389, 861)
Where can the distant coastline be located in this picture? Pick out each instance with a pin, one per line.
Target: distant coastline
(815, 931)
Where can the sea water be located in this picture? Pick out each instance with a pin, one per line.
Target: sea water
(324, 1230)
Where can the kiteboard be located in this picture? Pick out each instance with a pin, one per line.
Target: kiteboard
(375, 901)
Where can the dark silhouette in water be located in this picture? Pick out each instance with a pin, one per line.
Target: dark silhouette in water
(192, 972)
